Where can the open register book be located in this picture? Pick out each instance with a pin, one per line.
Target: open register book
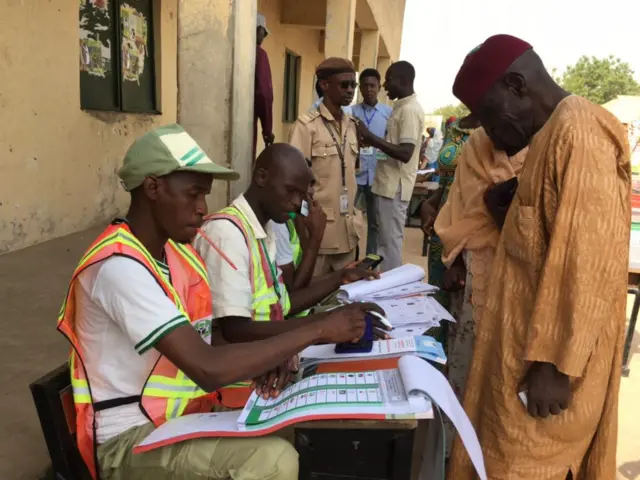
(402, 393)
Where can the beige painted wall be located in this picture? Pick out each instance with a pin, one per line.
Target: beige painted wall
(302, 41)
(57, 174)
(205, 53)
(389, 15)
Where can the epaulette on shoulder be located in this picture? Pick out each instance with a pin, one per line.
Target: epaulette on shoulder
(309, 116)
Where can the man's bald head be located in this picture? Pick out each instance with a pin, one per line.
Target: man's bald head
(281, 179)
(281, 156)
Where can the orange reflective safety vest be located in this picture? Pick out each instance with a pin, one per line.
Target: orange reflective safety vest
(270, 298)
(168, 392)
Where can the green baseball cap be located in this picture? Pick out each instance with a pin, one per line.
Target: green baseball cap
(165, 150)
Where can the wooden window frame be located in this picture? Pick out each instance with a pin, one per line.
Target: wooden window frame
(290, 112)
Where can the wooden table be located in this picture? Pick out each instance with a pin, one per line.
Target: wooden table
(633, 289)
(360, 449)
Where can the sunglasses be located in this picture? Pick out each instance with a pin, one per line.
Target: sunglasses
(348, 83)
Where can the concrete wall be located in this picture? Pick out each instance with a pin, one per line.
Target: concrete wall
(58, 170)
(389, 15)
(205, 59)
(57, 174)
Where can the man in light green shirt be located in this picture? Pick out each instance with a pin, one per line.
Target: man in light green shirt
(397, 169)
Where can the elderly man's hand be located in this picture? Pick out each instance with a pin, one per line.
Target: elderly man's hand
(428, 216)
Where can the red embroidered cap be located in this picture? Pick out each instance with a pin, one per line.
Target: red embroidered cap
(484, 65)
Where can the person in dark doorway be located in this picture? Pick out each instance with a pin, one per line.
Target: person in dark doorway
(263, 94)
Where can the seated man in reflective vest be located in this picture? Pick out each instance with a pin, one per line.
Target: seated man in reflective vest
(138, 315)
(239, 248)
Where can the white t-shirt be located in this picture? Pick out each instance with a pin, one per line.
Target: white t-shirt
(122, 312)
(231, 288)
(284, 253)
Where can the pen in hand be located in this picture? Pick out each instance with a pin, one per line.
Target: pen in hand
(384, 321)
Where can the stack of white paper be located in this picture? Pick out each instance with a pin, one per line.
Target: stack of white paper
(405, 298)
(401, 281)
(414, 315)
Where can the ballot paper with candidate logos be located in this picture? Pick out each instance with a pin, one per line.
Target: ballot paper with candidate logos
(414, 310)
(410, 391)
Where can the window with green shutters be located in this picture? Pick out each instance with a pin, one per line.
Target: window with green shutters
(117, 64)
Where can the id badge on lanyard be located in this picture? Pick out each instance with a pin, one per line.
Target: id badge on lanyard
(366, 151)
(344, 201)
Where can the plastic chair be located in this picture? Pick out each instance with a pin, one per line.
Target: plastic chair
(53, 399)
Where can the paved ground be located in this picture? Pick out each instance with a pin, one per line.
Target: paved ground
(33, 282)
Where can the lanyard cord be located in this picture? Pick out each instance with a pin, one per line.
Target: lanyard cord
(368, 120)
(272, 268)
(340, 150)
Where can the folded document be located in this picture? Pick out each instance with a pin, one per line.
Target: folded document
(402, 281)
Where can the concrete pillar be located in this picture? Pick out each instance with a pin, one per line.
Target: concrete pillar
(339, 28)
(244, 63)
(216, 61)
(383, 65)
(368, 49)
(368, 57)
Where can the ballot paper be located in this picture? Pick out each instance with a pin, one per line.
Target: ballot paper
(415, 310)
(411, 330)
(377, 394)
(406, 392)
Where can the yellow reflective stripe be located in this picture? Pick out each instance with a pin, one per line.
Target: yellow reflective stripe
(169, 381)
(174, 405)
(263, 295)
(80, 386)
(81, 398)
(105, 241)
(127, 239)
(77, 383)
(84, 260)
(238, 385)
(193, 260)
(294, 241)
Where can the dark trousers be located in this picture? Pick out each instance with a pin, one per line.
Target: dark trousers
(372, 217)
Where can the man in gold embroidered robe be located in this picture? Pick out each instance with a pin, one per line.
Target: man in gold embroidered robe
(554, 319)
